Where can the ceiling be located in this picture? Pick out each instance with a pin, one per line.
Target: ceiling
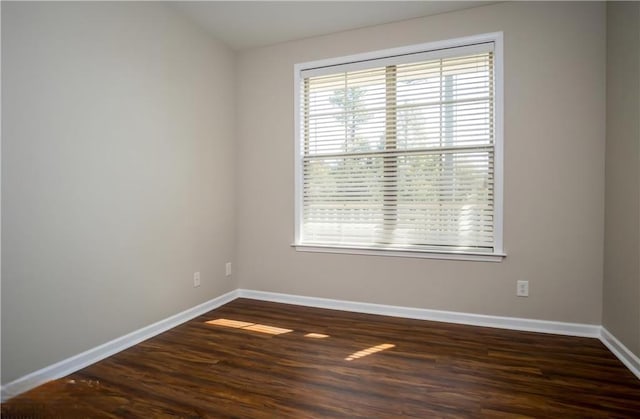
(250, 24)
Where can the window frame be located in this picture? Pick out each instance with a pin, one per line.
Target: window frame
(498, 253)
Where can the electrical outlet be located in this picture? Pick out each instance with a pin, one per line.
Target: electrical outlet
(196, 279)
(227, 268)
(522, 289)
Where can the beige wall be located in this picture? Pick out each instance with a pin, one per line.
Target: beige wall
(117, 177)
(554, 171)
(621, 296)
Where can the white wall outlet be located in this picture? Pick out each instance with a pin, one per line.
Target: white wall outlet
(522, 289)
(227, 269)
(196, 279)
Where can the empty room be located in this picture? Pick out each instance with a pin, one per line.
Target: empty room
(320, 209)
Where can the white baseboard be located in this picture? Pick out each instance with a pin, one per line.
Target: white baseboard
(513, 323)
(628, 358)
(77, 362)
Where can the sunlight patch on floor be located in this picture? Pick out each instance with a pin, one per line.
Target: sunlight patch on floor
(369, 351)
(316, 335)
(254, 327)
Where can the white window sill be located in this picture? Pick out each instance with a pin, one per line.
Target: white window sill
(433, 254)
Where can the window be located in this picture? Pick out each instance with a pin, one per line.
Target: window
(399, 152)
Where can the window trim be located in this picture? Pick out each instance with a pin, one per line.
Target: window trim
(498, 252)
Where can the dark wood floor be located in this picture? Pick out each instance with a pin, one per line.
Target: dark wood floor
(245, 363)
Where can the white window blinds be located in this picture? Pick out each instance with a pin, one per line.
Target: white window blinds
(398, 153)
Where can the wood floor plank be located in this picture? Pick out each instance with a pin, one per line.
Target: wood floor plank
(256, 360)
